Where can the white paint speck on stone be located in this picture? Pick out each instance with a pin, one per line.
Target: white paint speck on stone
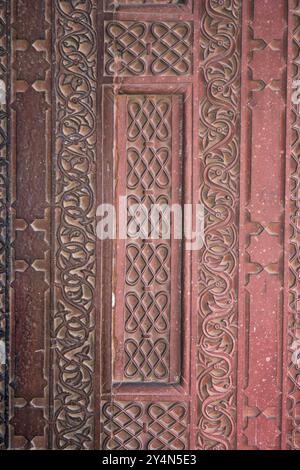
(2, 352)
(2, 92)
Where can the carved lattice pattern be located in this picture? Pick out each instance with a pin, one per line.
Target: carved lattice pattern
(142, 426)
(143, 48)
(147, 290)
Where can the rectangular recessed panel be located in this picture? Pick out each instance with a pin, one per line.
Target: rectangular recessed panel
(148, 263)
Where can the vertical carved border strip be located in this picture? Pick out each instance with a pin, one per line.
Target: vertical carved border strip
(117, 397)
(4, 220)
(293, 395)
(219, 192)
(30, 171)
(287, 229)
(73, 333)
(262, 216)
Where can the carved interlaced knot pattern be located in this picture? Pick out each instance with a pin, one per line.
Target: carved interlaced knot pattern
(123, 426)
(219, 150)
(171, 48)
(145, 426)
(148, 215)
(127, 42)
(169, 424)
(147, 263)
(151, 167)
(143, 48)
(149, 119)
(148, 312)
(146, 358)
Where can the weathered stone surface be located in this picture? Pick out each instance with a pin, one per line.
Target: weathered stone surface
(132, 345)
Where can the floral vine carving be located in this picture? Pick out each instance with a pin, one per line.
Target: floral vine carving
(75, 86)
(219, 144)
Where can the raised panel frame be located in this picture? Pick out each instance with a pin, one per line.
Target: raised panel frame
(122, 390)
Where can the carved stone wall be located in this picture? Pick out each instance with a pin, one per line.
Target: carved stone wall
(132, 345)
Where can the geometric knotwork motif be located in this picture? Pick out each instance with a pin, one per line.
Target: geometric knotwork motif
(171, 48)
(144, 426)
(147, 309)
(149, 119)
(141, 213)
(148, 263)
(147, 312)
(125, 48)
(149, 167)
(167, 426)
(142, 48)
(147, 315)
(123, 426)
(146, 359)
